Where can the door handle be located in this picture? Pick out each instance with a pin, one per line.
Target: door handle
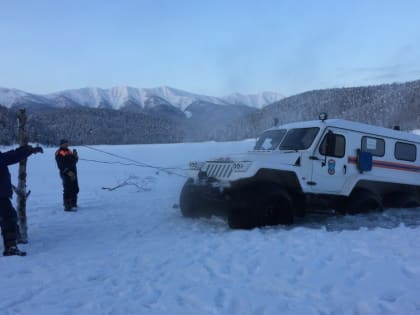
(345, 169)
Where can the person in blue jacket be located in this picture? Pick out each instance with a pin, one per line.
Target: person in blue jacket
(8, 216)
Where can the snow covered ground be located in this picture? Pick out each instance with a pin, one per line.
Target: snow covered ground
(130, 252)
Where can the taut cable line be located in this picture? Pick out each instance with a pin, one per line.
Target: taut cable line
(167, 170)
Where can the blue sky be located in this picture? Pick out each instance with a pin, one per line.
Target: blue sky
(209, 47)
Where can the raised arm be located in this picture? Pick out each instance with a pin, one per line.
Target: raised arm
(15, 156)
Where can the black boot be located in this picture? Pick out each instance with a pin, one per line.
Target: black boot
(68, 205)
(13, 251)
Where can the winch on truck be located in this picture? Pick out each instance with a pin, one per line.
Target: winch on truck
(335, 164)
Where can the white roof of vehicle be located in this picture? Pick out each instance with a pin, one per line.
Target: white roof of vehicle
(355, 126)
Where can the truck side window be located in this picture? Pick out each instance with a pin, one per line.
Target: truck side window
(405, 151)
(338, 144)
(374, 146)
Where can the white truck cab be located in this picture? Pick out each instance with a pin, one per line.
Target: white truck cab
(333, 163)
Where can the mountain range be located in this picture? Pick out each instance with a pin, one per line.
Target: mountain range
(129, 98)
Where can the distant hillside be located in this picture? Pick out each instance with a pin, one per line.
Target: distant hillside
(90, 126)
(8, 127)
(384, 105)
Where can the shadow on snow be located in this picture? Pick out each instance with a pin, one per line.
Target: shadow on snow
(388, 219)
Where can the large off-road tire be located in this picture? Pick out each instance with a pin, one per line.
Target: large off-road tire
(279, 208)
(241, 218)
(261, 208)
(411, 202)
(275, 208)
(188, 201)
(361, 201)
(402, 199)
(299, 204)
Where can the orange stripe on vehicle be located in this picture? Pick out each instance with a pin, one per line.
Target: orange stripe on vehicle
(389, 165)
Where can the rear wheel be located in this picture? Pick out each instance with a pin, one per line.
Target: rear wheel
(402, 199)
(361, 201)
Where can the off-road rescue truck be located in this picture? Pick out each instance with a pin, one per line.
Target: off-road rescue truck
(329, 163)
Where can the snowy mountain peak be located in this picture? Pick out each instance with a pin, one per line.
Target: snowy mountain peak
(8, 96)
(119, 96)
(253, 100)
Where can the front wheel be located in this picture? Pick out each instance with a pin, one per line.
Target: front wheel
(263, 208)
(188, 200)
(276, 208)
(241, 218)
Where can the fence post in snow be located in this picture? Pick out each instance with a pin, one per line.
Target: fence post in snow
(21, 192)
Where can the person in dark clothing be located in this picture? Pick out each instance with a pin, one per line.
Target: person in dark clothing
(66, 161)
(8, 215)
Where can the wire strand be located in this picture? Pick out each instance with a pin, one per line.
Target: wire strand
(167, 170)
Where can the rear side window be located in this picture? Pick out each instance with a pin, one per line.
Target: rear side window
(338, 146)
(375, 146)
(405, 151)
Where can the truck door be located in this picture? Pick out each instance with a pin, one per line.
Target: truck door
(329, 171)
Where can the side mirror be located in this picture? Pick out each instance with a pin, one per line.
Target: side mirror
(327, 146)
(364, 161)
(330, 144)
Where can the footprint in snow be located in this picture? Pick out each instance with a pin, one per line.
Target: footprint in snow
(151, 297)
(220, 299)
(390, 298)
(408, 272)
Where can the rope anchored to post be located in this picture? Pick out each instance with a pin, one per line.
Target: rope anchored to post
(167, 170)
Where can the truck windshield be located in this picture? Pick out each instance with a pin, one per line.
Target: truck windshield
(270, 139)
(299, 138)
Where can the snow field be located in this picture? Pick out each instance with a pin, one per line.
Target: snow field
(131, 252)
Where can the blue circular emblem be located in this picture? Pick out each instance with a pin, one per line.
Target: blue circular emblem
(331, 166)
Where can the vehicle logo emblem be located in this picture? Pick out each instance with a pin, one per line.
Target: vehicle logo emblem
(331, 167)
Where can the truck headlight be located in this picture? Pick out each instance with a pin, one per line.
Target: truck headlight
(242, 166)
(195, 165)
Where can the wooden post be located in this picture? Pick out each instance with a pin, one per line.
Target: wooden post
(22, 194)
